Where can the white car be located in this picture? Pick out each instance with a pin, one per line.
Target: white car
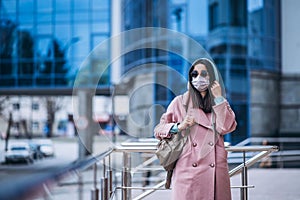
(19, 152)
(46, 147)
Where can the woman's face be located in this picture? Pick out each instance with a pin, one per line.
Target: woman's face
(200, 77)
(200, 70)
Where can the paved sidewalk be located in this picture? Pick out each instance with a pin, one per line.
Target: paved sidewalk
(275, 184)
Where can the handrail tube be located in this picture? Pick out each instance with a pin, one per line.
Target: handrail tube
(143, 195)
(251, 148)
(152, 149)
(142, 188)
(146, 163)
(269, 139)
(148, 149)
(245, 186)
(248, 163)
(21, 187)
(90, 160)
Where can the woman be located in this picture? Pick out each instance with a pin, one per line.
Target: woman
(201, 171)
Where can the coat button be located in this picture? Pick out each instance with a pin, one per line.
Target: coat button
(194, 165)
(194, 144)
(212, 165)
(211, 143)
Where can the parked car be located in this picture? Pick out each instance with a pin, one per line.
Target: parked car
(19, 152)
(45, 146)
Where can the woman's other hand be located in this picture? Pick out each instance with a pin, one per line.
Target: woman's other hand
(186, 123)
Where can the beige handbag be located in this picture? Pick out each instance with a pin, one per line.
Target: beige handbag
(168, 152)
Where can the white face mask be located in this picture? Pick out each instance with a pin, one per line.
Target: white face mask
(200, 83)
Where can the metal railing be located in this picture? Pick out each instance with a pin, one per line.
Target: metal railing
(288, 156)
(150, 147)
(108, 184)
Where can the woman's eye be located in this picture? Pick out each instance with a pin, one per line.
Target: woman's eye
(194, 74)
(203, 73)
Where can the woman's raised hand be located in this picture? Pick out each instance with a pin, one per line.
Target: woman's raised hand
(216, 89)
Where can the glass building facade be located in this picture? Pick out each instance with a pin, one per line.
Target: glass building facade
(44, 42)
(167, 66)
(244, 36)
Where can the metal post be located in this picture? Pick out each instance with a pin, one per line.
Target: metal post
(95, 190)
(104, 188)
(110, 174)
(104, 183)
(126, 176)
(244, 189)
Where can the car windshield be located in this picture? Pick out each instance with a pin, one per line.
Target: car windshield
(18, 148)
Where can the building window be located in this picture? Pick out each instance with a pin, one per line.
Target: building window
(35, 106)
(39, 39)
(239, 62)
(16, 106)
(220, 49)
(238, 82)
(35, 125)
(238, 13)
(213, 16)
(241, 113)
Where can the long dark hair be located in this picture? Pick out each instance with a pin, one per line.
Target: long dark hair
(205, 103)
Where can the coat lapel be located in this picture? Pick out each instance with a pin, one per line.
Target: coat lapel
(202, 119)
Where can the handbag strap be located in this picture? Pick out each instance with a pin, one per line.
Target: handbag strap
(187, 131)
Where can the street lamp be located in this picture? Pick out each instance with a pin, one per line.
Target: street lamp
(72, 41)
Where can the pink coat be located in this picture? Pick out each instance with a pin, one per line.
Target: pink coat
(201, 172)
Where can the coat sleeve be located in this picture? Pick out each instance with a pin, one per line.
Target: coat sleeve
(225, 118)
(167, 120)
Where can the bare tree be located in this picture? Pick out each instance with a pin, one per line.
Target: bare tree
(53, 105)
(4, 101)
(4, 115)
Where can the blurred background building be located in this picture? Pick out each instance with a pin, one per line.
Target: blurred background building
(43, 44)
(253, 42)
